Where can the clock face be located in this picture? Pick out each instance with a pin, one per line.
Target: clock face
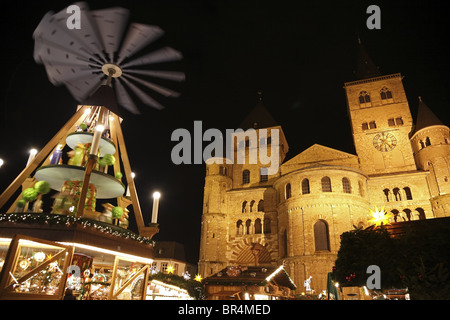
(384, 142)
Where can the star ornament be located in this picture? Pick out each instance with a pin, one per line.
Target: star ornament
(379, 217)
(170, 269)
(198, 278)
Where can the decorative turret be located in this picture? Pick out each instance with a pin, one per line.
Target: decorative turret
(431, 144)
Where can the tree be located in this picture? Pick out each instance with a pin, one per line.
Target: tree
(363, 248)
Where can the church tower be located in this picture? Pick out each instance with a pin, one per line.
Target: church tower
(213, 242)
(380, 119)
(239, 207)
(431, 145)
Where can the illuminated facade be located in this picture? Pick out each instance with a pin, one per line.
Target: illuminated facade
(297, 215)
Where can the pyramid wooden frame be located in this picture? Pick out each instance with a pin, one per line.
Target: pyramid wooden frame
(25, 180)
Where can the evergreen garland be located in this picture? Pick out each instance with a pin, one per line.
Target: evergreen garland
(55, 219)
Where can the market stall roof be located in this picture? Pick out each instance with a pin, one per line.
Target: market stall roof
(251, 275)
(79, 231)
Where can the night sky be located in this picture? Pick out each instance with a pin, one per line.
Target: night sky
(298, 53)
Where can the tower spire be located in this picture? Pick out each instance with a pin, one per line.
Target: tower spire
(365, 67)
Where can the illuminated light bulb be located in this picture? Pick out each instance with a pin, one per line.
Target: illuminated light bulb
(33, 153)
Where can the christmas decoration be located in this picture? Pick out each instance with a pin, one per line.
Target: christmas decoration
(29, 194)
(107, 160)
(380, 218)
(42, 187)
(117, 212)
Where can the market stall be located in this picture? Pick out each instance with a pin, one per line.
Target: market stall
(249, 283)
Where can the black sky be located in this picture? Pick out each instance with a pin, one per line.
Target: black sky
(298, 53)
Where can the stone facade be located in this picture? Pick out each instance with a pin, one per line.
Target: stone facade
(297, 215)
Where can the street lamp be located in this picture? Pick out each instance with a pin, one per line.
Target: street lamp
(1, 162)
(156, 196)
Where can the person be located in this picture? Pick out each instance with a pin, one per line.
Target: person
(69, 295)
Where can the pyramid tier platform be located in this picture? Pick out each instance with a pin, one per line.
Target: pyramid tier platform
(106, 146)
(107, 186)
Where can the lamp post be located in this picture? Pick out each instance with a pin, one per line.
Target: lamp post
(156, 196)
(1, 162)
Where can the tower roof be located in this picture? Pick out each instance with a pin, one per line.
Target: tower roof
(103, 96)
(425, 117)
(365, 67)
(259, 117)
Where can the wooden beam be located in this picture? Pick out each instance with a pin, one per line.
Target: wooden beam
(127, 168)
(41, 156)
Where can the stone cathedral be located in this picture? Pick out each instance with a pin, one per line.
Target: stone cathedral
(296, 216)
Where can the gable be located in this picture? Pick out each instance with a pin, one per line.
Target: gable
(320, 155)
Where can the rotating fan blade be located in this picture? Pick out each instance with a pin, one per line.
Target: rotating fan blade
(60, 74)
(84, 87)
(161, 90)
(46, 52)
(138, 36)
(111, 25)
(124, 98)
(145, 98)
(167, 75)
(162, 55)
(84, 41)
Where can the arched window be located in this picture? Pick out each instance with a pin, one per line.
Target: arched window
(321, 237)
(385, 93)
(252, 203)
(263, 177)
(422, 145)
(364, 97)
(346, 186)
(223, 170)
(248, 225)
(427, 142)
(326, 184)
(421, 213)
(267, 228)
(408, 193)
(245, 177)
(244, 207)
(305, 186)
(288, 193)
(397, 195)
(372, 125)
(391, 122)
(396, 215)
(261, 205)
(258, 226)
(408, 214)
(239, 227)
(387, 194)
(365, 126)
